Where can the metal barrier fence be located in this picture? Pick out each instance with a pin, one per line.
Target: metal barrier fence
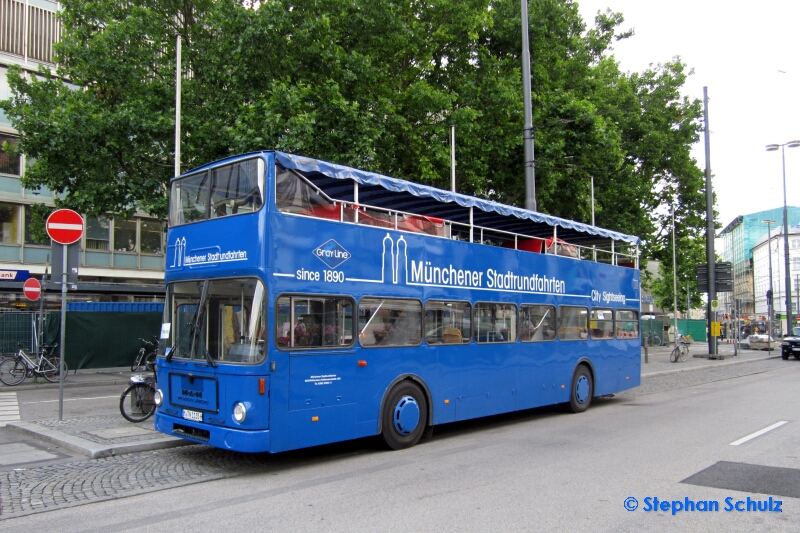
(18, 326)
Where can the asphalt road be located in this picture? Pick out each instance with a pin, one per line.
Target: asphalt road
(540, 470)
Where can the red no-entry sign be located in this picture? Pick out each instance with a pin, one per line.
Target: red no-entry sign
(64, 226)
(32, 289)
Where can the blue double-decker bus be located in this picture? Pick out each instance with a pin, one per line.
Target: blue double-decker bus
(309, 303)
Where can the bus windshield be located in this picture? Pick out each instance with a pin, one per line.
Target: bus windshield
(220, 192)
(227, 325)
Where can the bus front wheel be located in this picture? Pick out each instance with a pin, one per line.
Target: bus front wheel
(582, 391)
(405, 415)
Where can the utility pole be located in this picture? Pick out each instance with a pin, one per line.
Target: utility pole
(674, 281)
(710, 257)
(527, 134)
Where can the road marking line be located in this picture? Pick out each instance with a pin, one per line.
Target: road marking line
(9, 408)
(73, 399)
(759, 433)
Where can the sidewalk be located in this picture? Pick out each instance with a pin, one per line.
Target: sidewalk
(94, 436)
(658, 358)
(108, 435)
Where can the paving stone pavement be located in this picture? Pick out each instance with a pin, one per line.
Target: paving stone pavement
(29, 491)
(88, 427)
(34, 490)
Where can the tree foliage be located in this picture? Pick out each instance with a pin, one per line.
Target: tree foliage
(374, 84)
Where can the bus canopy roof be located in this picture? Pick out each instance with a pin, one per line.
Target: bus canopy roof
(391, 193)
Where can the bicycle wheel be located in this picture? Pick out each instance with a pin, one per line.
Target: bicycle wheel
(51, 372)
(12, 372)
(150, 361)
(656, 341)
(136, 403)
(675, 355)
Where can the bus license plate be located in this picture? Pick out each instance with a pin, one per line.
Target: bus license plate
(195, 416)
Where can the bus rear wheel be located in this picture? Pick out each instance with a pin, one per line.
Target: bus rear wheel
(405, 415)
(582, 391)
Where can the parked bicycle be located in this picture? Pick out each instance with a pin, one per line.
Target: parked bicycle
(653, 339)
(680, 352)
(14, 369)
(136, 403)
(146, 356)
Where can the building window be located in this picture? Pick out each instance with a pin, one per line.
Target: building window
(9, 164)
(124, 235)
(151, 237)
(12, 28)
(32, 219)
(44, 30)
(9, 224)
(98, 233)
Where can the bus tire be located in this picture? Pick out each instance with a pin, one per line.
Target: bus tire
(582, 391)
(405, 416)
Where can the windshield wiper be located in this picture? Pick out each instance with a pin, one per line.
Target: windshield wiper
(194, 327)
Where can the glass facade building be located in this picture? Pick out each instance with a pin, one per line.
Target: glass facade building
(744, 243)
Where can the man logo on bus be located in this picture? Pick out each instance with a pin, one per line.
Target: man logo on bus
(332, 254)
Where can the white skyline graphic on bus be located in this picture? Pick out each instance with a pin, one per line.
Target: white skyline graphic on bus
(396, 271)
(211, 255)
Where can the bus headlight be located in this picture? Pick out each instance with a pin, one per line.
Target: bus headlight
(158, 398)
(239, 412)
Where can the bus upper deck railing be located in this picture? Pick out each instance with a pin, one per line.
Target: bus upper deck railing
(350, 212)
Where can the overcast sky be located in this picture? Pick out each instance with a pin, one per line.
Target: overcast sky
(738, 51)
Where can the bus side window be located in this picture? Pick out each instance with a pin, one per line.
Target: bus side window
(447, 322)
(389, 322)
(312, 321)
(573, 323)
(627, 322)
(495, 322)
(536, 323)
(601, 323)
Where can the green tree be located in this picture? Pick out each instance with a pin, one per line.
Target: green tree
(369, 83)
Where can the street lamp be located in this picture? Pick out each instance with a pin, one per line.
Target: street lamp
(769, 291)
(789, 309)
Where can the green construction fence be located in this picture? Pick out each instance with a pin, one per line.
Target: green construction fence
(102, 339)
(695, 328)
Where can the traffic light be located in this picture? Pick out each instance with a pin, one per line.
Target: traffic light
(769, 295)
(777, 316)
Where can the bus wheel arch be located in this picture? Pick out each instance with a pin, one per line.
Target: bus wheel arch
(582, 387)
(406, 413)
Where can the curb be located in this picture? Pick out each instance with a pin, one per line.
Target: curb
(704, 367)
(91, 449)
(67, 385)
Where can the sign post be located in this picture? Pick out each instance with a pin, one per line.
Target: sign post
(64, 226)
